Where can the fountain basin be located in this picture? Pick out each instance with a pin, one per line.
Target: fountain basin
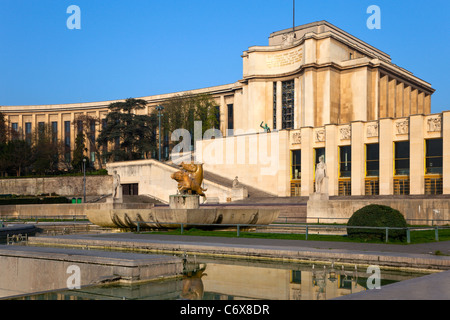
(128, 215)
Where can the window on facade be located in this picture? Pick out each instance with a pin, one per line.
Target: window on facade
(230, 117)
(296, 164)
(67, 141)
(317, 153)
(217, 117)
(14, 130)
(28, 132)
(433, 156)
(79, 126)
(41, 128)
(274, 105)
(401, 161)
(54, 131)
(287, 102)
(345, 161)
(373, 160)
(92, 133)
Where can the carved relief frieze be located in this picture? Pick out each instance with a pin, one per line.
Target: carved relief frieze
(372, 130)
(346, 133)
(296, 137)
(434, 124)
(402, 127)
(320, 135)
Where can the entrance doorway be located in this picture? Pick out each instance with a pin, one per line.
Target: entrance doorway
(130, 189)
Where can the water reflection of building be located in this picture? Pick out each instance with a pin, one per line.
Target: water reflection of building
(307, 283)
(239, 280)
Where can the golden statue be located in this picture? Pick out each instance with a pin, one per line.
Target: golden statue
(190, 179)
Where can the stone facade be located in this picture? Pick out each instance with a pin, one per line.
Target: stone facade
(319, 89)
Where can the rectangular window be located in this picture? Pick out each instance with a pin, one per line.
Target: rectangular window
(274, 105)
(55, 131)
(92, 133)
(345, 162)
(28, 132)
(401, 161)
(217, 117)
(230, 117)
(371, 183)
(296, 164)
(67, 141)
(317, 153)
(79, 126)
(41, 127)
(433, 156)
(287, 103)
(372, 160)
(14, 130)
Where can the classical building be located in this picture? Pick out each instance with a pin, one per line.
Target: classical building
(321, 91)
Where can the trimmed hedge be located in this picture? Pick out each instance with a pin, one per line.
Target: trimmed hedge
(375, 215)
(32, 200)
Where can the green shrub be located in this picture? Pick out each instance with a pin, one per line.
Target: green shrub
(375, 215)
(14, 200)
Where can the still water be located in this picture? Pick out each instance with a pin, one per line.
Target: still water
(218, 279)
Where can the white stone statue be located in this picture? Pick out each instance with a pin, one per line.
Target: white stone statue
(116, 184)
(236, 183)
(321, 173)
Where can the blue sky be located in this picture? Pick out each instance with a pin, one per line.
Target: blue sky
(138, 48)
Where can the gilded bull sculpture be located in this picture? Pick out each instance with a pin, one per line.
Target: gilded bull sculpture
(190, 179)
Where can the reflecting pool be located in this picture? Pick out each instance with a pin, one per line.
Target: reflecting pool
(222, 279)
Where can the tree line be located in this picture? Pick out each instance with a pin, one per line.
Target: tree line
(127, 133)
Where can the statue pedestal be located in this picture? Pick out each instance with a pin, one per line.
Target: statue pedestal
(238, 193)
(180, 201)
(118, 199)
(317, 208)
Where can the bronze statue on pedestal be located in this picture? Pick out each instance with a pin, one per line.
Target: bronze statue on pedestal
(190, 179)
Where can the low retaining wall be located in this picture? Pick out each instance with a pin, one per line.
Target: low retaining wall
(415, 211)
(45, 210)
(64, 186)
(28, 270)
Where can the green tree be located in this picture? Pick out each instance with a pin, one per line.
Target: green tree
(132, 134)
(86, 124)
(78, 152)
(3, 129)
(44, 151)
(19, 156)
(182, 111)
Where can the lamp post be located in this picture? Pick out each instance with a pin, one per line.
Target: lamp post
(159, 109)
(84, 180)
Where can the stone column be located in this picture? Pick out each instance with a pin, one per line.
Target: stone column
(223, 125)
(386, 157)
(279, 101)
(309, 101)
(331, 158)
(446, 151)
(297, 103)
(416, 155)
(358, 160)
(307, 161)
(284, 161)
